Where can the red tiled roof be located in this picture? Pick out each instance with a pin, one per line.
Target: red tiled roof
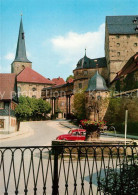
(70, 80)
(58, 81)
(7, 86)
(28, 75)
(130, 66)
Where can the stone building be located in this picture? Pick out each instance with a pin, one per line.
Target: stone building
(29, 82)
(121, 42)
(8, 102)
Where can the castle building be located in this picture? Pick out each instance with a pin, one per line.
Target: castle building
(121, 42)
(29, 82)
(121, 46)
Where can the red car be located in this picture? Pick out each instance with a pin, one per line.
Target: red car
(73, 135)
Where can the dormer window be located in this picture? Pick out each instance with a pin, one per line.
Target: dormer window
(136, 29)
(135, 20)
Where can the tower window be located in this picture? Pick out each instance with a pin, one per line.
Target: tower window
(135, 44)
(118, 53)
(22, 35)
(80, 85)
(85, 72)
(118, 44)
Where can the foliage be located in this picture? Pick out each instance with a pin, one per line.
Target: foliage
(79, 105)
(70, 76)
(31, 109)
(126, 84)
(132, 127)
(121, 182)
(130, 82)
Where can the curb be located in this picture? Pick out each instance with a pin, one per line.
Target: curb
(28, 132)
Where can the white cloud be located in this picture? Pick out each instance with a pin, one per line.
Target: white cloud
(70, 47)
(10, 56)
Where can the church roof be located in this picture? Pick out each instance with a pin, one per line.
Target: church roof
(21, 49)
(86, 63)
(97, 83)
(7, 86)
(122, 24)
(28, 75)
(58, 81)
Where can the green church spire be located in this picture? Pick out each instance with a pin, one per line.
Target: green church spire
(21, 50)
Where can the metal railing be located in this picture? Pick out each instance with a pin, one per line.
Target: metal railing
(69, 170)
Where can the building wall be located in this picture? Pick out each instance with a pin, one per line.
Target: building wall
(10, 124)
(118, 50)
(30, 89)
(81, 77)
(17, 67)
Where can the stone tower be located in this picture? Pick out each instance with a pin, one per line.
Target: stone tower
(121, 42)
(20, 62)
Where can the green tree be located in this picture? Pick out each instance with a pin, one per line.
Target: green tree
(70, 76)
(79, 104)
(31, 109)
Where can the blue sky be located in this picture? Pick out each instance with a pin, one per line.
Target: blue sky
(57, 31)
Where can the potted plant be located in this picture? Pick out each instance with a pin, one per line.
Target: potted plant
(92, 128)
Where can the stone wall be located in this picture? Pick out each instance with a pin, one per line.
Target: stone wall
(118, 50)
(31, 89)
(17, 67)
(96, 104)
(80, 77)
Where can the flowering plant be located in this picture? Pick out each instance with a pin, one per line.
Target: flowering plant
(99, 124)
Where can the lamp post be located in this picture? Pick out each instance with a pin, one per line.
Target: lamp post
(126, 117)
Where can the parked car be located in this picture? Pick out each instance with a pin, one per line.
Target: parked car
(73, 135)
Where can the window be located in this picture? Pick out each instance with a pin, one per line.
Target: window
(135, 44)
(118, 53)
(80, 85)
(33, 89)
(117, 36)
(33, 96)
(13, 105)
(118, 44)
(2, 123)
(85, 72)
(1, 105)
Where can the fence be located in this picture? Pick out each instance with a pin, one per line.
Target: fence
(69, 170)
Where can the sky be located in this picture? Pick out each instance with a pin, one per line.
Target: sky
(57, 31)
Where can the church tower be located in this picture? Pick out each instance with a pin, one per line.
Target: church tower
(20, 62)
